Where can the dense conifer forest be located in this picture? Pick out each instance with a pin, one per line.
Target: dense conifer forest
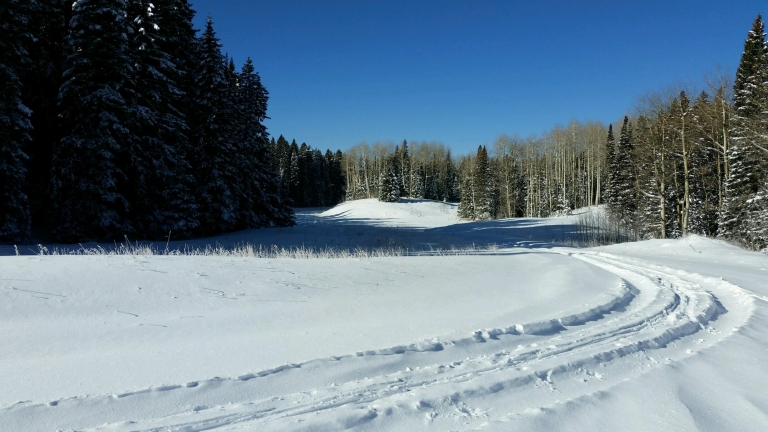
(118, 118)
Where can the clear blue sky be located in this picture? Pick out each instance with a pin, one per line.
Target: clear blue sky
(464, 72)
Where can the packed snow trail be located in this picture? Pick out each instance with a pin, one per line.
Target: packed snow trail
(655, 319)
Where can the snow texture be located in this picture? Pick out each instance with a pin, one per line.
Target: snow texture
(530, 335)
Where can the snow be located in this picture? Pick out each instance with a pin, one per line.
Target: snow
(417, 213)
(525, 335)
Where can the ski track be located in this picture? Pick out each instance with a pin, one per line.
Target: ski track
(657, 317)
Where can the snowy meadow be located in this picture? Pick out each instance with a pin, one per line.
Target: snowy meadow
(385, 316)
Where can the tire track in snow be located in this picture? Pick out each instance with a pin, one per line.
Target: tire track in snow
(437, 379)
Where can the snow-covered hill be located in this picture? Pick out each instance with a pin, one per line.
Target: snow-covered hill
(407, 212)
(529, 335)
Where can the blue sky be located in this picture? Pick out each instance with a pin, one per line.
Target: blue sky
(464, 72)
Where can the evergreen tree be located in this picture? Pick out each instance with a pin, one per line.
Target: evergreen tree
(404, 176)
(703, 177)
(747, 166)
(330, 191)
(15, 126)
(216, 152)
(430, 184)
(306, 188)
(42, 77)
(87, 180)
(261, 204)
(451, 181)
(295, 178)
(466, 208)
(482, 184)
(609, 189)
(623, 187)
(159, 181)
(283, 162)
(338, 181)
(417, 182)
(389, 191)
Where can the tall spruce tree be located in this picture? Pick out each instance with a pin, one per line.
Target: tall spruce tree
(624, 187)
(451, 184)
(749, 123)
(15, 125)
(42, 77)
(610, 187)
(389, 191)
(338, 179)
(261, 202)
(159, 180)
(482, 184)
(466, 208)
(295, 178)
(216, 152)
(86, 177)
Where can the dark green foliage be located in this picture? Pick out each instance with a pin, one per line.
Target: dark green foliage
(484, 198)
(609, 189)
(47, 48)
(389, 191)
(451, 182)
(15, 125)
(87, 179)
(308, 178)
(623, 201)
(479, 197)
(138, 128)
(260, 202)
(743, 190)
(216, 150)
(159, 179)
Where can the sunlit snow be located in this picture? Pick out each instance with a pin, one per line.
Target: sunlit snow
(497, 325)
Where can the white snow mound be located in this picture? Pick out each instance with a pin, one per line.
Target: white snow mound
(406, 212)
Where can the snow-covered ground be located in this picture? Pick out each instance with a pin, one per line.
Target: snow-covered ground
(524, 335)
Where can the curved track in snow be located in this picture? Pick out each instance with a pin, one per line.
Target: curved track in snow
(658, 317)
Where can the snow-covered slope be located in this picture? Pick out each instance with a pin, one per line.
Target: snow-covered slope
(407, 212)
(657, 335)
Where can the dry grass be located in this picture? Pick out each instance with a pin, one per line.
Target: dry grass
(268, 252)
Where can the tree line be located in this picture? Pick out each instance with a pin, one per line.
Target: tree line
(117, 118)
(306, 176)
(683, 162)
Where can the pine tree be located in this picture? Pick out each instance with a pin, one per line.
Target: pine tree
(389, 191)
(704, 178)
(216, 151)
(747, 167)
(609, 189)
(451, 181)
(260, 203)
(430, 184)
(42, 77)
(87, 180)
(623, 189)
(15, 125)
(338, 179)
(404, 175)
(295, 178)
(482, 184)
(283, 162)
(417, 182)
(159, 181)
(466, 208)
(306, 190)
